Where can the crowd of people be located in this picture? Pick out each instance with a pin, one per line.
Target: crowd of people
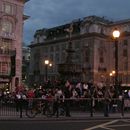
(62, 96)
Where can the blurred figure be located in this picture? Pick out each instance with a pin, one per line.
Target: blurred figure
(107, 100)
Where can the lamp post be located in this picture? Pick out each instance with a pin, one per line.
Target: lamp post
(47, 63)
(46, 69)
(112, 74)
(116, 35)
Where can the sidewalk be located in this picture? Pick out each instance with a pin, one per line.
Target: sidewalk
(74, 116)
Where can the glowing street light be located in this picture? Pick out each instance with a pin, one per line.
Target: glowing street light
(116, 35)
(47, 63)
(110, 74)
(113, 72)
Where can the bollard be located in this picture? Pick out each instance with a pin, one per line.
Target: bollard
(21, 106)
(122, 107)
(91, 107)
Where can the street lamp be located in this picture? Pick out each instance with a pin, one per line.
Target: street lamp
(116, 35)
(47, 63)
(46, 69)
(50, 64)
(112, 74)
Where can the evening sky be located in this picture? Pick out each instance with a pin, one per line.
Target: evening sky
(51, 13)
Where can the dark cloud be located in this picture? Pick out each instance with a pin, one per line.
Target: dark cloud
(49, 13)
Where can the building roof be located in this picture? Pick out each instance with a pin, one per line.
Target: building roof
(25, 17)
(60, 31)
(97, 19)
(124, 21)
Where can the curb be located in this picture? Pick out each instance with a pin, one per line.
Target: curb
(60, 118)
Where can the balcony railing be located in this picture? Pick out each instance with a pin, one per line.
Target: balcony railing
(7, 52)
(7, 35)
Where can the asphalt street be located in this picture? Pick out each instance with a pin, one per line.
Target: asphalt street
(117, 124)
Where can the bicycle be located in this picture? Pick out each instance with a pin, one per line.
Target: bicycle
(39, 106)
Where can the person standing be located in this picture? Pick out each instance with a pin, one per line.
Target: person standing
(107, 100)
(56, 103)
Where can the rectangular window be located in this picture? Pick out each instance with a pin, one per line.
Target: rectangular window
(51, 57)
(87, 55)
(125, 42)
(46, 49)
(125, 54)
(51, 49)
(57, 48)
(5, 68)
(63, 46)
(101, 60)
(126, 66)
(77, 45)
(63, 57)
(87, 59)
(9, 8)
(57, 58)
(7, 27)
(5, 46)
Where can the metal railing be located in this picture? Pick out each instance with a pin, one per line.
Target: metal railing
(89, 106)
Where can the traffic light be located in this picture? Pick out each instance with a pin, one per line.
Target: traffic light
(13, 64)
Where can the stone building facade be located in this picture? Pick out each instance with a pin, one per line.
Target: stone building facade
(94, 49)
(11, 29)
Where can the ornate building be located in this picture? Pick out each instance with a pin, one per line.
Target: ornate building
(25, 63)
(11, 29)
(94, 50)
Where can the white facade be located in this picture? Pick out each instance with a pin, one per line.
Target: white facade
(94, 50)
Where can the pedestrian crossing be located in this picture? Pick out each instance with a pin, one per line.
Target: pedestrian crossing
(112, 125)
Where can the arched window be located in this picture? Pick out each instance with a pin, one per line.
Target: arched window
(7, 26)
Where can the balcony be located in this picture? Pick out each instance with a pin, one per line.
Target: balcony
(7, 35)
(4, 75)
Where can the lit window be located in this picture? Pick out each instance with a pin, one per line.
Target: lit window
(125, 42)
(125, 53)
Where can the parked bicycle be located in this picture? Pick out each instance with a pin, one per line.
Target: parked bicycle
(36, 107)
